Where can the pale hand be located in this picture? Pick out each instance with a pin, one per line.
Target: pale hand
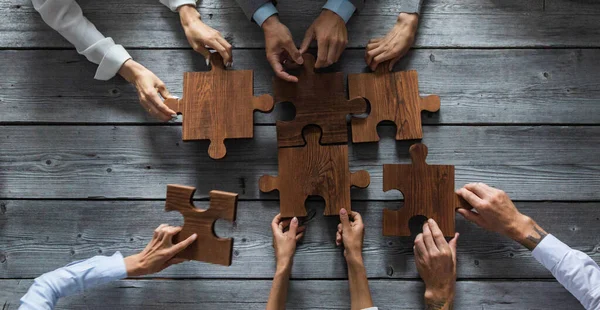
(493, 210)
(436, 263)
(148, 87)
(200, 35)
(350, 234)
(280, 48)
(329, 29)
(159, 253)
(284, 242)
(395, 44)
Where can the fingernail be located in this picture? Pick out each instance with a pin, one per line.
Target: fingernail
(295, 220)
(194, 236)
(299, 60)
(343, 211)
(175, 97)
(207, 61)
(431, 221)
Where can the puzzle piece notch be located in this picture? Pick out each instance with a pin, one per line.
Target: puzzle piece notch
(207, 247)
(393, 96)
(428, 190)
(209, 115)
(320, 100)
(315, 169)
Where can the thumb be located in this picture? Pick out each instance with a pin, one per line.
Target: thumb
(164, 92)
(308, 37)
(294, 53)
(471, 216)
(344, 219)
(294, 226)
(183, 244)
(453, 244)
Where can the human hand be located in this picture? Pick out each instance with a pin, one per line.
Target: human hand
(495, 211)
(395, 44)
(159, 253)
(436, 263)
(148, 87)
(284, 242)
(329, 29)
(280, 48)
(351, 234)
(200, 35)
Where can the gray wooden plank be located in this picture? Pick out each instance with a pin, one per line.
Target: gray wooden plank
(38, 236)
(476, 86)
(579, 7)
(149, 24)
(215, 294)
(529, 162)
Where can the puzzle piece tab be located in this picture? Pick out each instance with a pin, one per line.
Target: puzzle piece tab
(218, 105)
(207, 247)
(319, 99)
(393, 96)
(314, 169)
(428, 190)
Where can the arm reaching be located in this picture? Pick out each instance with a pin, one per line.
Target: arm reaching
(284, 244)
(350, 234)
(493, 210)
(82, 275)
(436, 263)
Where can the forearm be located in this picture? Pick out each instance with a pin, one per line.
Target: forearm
(360, 295)
(279, 288)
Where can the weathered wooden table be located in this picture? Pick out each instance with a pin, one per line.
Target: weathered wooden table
(83, 169)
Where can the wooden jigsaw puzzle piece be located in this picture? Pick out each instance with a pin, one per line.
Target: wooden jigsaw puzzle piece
(428, 191)
(207, 247)
(291, 196)
(263, 103)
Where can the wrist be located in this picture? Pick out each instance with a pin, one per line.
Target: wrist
(521, 228)
(354, 259)
(408, 19)
(129, 70)
(441, 298)
(188, 14)
(270, 22)
(133, 266)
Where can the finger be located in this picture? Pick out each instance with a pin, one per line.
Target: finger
(284, 224)
(280, 73)
(300, 229)
(372, 54)
(163, 91)
(333, 48)
(299, 236)
(471, 216)
(428, 239)
(164, 113)
(308, 37)
(481, 190)
(204, 52)
(339, 227)
(470, 197)
(338, 238)
(149, 107)
(453, 243)
(183, 244)
(322, 51)
(228, 49)
(437, 234)
(221, 50)
(295, 55)
(275, 223)
(356, 217)
(344, 219)
(381, 58)
(394, 60)
(294, 226)
(374, 40)
(371, 46)
(176, 260)
(420, 247)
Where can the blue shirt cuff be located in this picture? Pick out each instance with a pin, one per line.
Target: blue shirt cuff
(264, 12)
(343, 8)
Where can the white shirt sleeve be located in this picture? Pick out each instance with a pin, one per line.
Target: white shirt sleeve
(173, 5)
(576, 271)
(66, 17)
(71, 279)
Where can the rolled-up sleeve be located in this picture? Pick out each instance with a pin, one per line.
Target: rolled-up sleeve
(173, 5)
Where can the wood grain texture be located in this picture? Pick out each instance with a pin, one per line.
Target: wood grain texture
(543, 86)
(313, 169)
(109, 161)
(218, 105)
(207, 247)
(41, 235)
(313, 294)
(428, 191)
(319, 99)
(392, 96)
(148, 24)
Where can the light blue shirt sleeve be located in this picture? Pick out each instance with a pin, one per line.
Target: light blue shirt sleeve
(264, 12)
(74, 278)
(343, 8)
(576, 271)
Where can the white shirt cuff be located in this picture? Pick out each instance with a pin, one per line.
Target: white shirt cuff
(550, 251)
(264, 12)
(173, 5)
(111, 63)
(343, 8)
